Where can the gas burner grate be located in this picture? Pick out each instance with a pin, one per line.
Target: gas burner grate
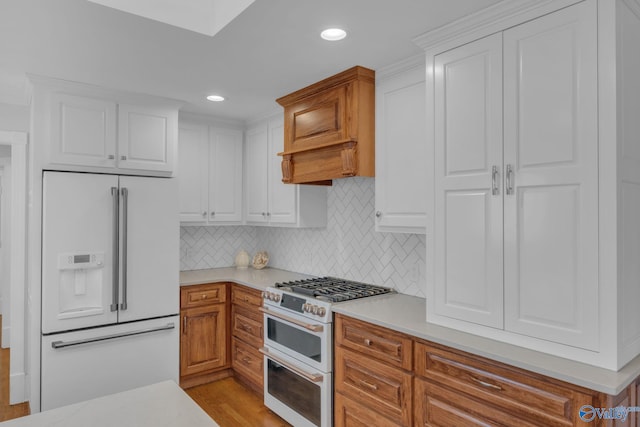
(332, 289)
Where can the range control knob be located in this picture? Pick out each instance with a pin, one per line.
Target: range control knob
(322, 311)
(276, 297)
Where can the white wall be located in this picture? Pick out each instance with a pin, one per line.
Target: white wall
(348, 247)
(14, 117)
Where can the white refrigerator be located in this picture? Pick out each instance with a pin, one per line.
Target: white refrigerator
(110, 285)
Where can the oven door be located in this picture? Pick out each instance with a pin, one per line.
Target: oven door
(299, 338)
(296, 392)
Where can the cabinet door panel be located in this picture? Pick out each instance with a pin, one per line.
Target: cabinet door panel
(401, 149)
(551, 218)
(257, 146)
(225, 176)
(468, 214)
(203, 339)
(192, 172)
(146, 138)
(83, 131)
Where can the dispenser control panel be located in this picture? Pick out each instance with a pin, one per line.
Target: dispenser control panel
(77, 261)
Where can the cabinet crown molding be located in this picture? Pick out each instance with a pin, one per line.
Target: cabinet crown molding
(492, 19)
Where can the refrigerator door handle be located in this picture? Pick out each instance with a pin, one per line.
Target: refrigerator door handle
(63, 344)
(125, 201)
(116, 231)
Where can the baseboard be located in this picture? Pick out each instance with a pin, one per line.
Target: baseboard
(6, 335)
(18, 389)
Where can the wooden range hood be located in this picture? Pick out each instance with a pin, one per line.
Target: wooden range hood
(329, 129)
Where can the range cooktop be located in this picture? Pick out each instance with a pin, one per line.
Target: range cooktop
(332, 289)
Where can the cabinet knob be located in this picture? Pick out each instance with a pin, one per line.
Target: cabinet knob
(367, 341)
(268, 213)
(111, 157)
(204, 214)
(378, 214)
(123, 157)
(204, 296)
(264, 214)
(213, 213)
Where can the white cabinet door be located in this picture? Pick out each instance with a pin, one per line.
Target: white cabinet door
(468, 209)
(256, 184)
(225, 176)
(401, 153)
(551, 217)
(282, 197)
(147, 138)
(83, 131)
(193, 171)
(150, 282)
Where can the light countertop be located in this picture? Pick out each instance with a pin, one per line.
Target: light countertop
(257, 279)
(158, 405)
(407, 314)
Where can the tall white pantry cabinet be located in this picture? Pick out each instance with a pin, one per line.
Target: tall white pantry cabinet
(534, 200)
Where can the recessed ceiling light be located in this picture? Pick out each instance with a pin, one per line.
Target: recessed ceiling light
(215, 98)
(333, 34)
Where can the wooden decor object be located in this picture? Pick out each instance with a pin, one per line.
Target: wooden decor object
(329, 129)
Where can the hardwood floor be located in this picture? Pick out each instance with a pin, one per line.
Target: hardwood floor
(231, 404)
(8, 412)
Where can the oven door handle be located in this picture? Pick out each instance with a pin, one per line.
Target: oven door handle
(316, 378)
(312, 328)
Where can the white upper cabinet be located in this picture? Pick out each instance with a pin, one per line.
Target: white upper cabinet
(146, 138)
(87, 128)
(526, 223)
(193, 173)
(210, 174)
(225, 175)
(401, 151)
(83, 131)
(268, 201)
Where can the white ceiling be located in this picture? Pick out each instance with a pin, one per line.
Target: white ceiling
(271, 49)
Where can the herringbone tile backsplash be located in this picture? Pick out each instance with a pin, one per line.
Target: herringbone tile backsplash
(348, 247)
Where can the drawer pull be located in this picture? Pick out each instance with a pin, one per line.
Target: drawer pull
(367, 341)
(246, 360)
(368, 385)
(246, 328)
(486, 384)
(204, 296)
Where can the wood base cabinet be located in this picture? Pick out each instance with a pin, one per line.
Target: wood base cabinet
(203, 333)
(247, 336)
(373, 368)
(444, 387)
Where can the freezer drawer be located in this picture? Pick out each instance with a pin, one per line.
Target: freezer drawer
(115, 358)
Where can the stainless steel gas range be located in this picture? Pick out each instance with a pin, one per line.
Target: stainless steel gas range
(298, 346)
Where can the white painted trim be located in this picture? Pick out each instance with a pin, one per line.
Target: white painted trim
(189, 117)
(18, 338)
(406, 64)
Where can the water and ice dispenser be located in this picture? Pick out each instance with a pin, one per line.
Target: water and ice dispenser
(81, 282)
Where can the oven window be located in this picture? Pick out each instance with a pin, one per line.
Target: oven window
(294, 391)
(303, 343)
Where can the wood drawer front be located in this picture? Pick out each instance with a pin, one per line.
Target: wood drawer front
(247, 361)
(437, 406)
(246, 296)
(199, 295)
(383, 388)
(383, 344)
(524, 395)
(349, 413)
(245, 326)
